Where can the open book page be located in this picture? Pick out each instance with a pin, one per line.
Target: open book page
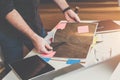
(77, 39)
(107, 44)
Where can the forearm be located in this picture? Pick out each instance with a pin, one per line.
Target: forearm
(18, 22)
(61, 3)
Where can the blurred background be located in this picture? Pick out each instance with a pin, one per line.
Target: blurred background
(88, 10)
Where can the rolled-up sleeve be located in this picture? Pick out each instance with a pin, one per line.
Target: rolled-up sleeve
(6, 6)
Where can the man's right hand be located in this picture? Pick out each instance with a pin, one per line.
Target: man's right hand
(41, 46)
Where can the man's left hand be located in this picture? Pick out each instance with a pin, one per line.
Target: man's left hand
(71, 16)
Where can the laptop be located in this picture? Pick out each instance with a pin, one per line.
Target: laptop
(116, 73)
(100, 71)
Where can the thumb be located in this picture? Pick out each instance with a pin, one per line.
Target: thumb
(48, 47)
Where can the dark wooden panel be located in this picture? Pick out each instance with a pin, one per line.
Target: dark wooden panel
(50, 1)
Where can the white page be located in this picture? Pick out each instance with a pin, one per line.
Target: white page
(107, 48)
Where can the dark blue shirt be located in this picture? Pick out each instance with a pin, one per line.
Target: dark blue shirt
(28, 9)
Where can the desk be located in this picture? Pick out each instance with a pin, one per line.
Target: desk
(57, 64)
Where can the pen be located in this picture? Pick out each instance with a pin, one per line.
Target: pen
(76, 10)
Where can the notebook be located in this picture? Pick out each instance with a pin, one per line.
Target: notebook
(76, 39)
(107, 26)
(30, 67)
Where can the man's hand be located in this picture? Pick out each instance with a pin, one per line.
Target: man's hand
(71, 16)
(41, 46)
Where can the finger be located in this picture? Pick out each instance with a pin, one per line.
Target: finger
(45, 51)
(76, 18)
(71, 20)
(48, 47)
